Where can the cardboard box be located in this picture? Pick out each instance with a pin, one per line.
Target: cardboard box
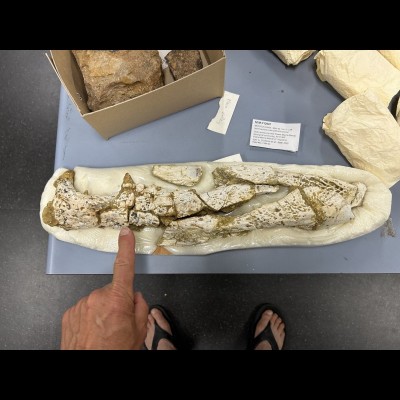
(196, 88)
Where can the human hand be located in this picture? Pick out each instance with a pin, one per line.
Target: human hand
(113, 317)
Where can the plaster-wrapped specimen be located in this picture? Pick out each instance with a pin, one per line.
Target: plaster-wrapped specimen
(113, 76)
(352, 72)
(367, 135)
(293, 57)
(234, 205)
(183, 62)
(398, 112)
(393, 56)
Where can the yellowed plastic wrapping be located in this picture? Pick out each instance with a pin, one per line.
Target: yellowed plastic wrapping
(293, 57)
(351, 72)
(367, 135)
(398, 112)
(375, 210)
(393, 56)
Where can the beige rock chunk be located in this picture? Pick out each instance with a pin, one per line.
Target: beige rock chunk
(183, 175)
(113, 76)
(183, 62)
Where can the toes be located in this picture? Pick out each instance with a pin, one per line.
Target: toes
(161, 321)
(281, 328)
(150, 331)
(263, 322)
(273, 319)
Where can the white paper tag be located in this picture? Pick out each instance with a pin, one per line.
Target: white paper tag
(233, 158)
(275, 135)
(227, 106)
(163, 54)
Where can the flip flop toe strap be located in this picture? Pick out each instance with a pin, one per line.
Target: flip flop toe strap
(267, 335)
(159, 334)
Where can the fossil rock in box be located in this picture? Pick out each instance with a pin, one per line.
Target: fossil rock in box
(232, 205)
(113, 76)
(183, 62)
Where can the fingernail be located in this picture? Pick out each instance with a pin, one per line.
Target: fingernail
(269, 312)
(124, 231)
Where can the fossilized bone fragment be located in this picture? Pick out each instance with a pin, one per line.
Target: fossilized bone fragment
(243, 174)
(274, 205)
(227, 196)
(264, 189)
(140, 219)
(183, 175)
(191, 218)
(329, 206)
(73, 210)
(187, 202)
(292, 210)
(116, 215)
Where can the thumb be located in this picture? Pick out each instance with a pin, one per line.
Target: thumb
(124, 265)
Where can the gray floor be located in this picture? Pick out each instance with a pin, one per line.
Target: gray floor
(321, 311)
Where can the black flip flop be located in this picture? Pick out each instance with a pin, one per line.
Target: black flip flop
(178, 338)
(266, 334)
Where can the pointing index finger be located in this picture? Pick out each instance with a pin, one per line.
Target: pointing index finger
(124, 265)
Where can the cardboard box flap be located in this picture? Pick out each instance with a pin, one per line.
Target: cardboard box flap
(66, 66)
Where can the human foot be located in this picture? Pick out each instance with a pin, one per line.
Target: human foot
(267, 330)
(158, 326)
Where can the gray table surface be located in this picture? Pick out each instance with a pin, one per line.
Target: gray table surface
(268, 90)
